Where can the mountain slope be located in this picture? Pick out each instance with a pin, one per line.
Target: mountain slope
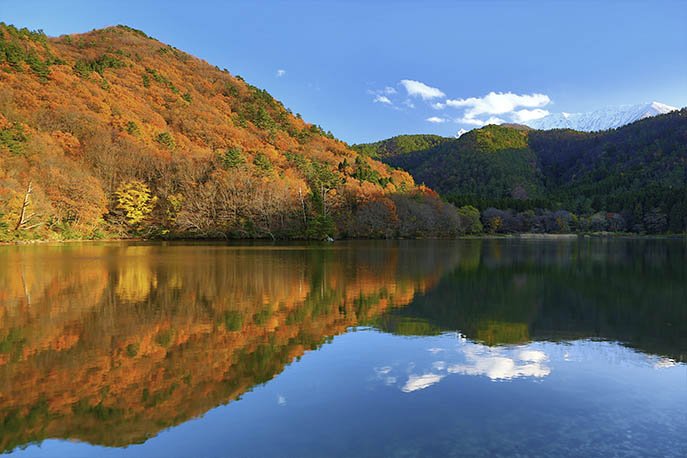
(493, 161)
(401, 144)
(115, 131)
(603, 119)
(639, 170)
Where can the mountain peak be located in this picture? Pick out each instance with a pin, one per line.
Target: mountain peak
(601, 119)
(661, 108)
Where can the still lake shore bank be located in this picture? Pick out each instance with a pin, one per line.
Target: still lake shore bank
(523, 236)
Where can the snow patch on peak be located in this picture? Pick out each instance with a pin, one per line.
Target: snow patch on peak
(602, 119)
(662, 107)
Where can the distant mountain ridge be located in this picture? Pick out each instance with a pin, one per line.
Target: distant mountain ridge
(638, 170)
(601, 119)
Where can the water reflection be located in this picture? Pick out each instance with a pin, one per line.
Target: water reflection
(110, 344)
(632, 291)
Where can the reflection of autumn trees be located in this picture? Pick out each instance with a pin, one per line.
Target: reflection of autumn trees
(109, 344)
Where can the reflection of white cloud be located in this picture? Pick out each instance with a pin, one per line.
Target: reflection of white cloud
(439, 365)
(481, 360)
(664, 363)
(469, 358)
(382, 374)
(420, 382)
(281, 400)
(383, 370)
(536, 356)
(281, 72)
(446, 356)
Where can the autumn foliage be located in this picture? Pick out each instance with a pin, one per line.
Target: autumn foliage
(90, 119)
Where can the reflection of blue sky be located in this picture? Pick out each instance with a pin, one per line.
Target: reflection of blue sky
(439, 396)
(502, 363)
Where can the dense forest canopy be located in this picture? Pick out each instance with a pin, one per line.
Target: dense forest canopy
(113, 133)
(401, 144)
(633, 178)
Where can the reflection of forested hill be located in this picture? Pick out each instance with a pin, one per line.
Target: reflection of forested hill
(634, 292)
(110, 344)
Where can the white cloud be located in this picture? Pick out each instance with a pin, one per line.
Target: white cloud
(494, 120)
(382, 99)
(524, 115)
(436, 120)
(419, 89)
(409, 103)
(420, 382)
(438, 106)
(386, 90)
(461, 132)
(501, 103)
(281, 72)
(470, 121)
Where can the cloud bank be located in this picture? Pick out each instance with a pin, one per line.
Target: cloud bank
(473, 112)
(516, 107)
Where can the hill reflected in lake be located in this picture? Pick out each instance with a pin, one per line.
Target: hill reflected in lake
(112, 343)
(631, 291)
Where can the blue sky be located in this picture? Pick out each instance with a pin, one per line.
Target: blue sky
(337, 58)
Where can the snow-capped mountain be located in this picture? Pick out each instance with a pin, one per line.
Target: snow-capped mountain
(605, 118)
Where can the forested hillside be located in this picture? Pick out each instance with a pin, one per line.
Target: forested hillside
(629, 179)
(401, 144)
(113, 133)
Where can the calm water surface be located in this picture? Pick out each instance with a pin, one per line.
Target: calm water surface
(415, 348)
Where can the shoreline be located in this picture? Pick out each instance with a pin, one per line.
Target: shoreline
(521, 236)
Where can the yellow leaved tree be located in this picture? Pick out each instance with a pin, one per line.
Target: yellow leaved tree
(135, 202)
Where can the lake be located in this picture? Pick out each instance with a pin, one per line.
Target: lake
(485, 347)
